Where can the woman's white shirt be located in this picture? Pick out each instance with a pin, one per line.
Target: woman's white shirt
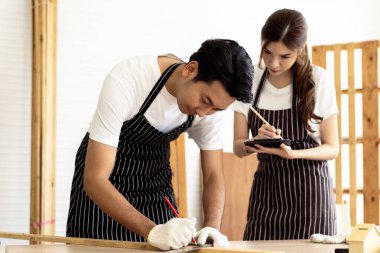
(273, 98)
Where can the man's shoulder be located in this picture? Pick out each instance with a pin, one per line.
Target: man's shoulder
(135, 63)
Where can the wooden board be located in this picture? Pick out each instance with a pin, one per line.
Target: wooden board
(291, 246)
(43, 156)
(370, 133)
(338, 160)
(178, 165)
(238, 177)
(110, 244)
(352, 132)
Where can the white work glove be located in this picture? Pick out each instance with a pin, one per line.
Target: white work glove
(208, 233)
(319, 238)
(174, 234)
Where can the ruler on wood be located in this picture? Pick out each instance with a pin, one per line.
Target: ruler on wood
(125, 244)
(79, 241)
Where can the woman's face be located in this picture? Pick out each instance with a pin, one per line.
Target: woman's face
(278, 58)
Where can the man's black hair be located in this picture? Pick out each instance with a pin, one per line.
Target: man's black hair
(225, 61)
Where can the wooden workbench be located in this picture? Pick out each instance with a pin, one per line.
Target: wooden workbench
(294, 246)
(289, 246)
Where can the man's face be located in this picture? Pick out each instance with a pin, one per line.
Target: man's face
(201, 98)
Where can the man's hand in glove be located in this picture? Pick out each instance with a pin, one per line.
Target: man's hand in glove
(213, 235)
(174, 234)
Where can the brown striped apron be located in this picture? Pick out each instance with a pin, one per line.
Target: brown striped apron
(290, 199)
(141, 173)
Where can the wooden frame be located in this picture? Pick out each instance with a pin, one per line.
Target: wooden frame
(43, 158)
(370, 139)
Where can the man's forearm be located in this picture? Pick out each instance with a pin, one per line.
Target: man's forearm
(213, 202)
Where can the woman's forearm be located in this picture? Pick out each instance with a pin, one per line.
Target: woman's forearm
(323, 152)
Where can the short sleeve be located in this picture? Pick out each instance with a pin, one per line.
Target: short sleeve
(208, 132)
(112, 109)
(240, 107)
(326, 104)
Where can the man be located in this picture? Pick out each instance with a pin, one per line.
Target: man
(122, 170)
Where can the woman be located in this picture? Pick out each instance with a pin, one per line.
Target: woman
(292, 195)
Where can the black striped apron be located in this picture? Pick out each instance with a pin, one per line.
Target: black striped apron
(141, 173)
(290, 199)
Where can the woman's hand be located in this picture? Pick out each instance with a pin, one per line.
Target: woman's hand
(264, 132)
(268, 132)
(283, 151)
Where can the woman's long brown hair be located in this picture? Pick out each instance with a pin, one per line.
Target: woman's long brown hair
(289, 27)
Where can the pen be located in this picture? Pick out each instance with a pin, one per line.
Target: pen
(260, 117)
(176, 214)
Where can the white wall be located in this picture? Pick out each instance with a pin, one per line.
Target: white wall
(15, 109)
(93, 35)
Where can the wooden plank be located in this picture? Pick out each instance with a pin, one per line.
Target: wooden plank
(78, 241)
(68, 248)
(182, 185)
(43, 158)
(48, 169)
(238, 177)
(352, 133)
(230, 250)
(178, 164)
(357, 91)
(319, 56)
(35, 173)
(338, 160)
(122, 244)
(358, 191)
(174, 167)
(370, 133)
(344, 46)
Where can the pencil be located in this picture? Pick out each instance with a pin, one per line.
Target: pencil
(258, 115)
(176, 214)
(261, 117)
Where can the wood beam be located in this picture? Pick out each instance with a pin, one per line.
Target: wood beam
(43, 157)
(136, 246)
(370, 133)
(178, 165)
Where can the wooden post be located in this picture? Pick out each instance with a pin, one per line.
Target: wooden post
(319, 56)
(178, 164)
(338, 160)
(370, 133)
(238, 174)
(43, 159)
(352, 133)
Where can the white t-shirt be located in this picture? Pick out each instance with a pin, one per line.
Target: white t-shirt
(125, 89)
(272, 98)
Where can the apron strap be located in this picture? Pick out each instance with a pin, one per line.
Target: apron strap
(260, 88)
(157, 87)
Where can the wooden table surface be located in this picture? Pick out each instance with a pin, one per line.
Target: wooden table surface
(289, 246)
(293, 246)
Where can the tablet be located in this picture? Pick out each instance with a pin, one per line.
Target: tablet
(270, 143)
